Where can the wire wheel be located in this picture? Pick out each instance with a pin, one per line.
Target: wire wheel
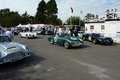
(51, 41)
(84, 38)
(66, 45)
(27, 36)
(94, 41)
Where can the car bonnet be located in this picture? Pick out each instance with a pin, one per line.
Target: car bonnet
(7, 45)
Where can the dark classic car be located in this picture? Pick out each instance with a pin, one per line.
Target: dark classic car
(11, 51)
(39, 31)
(83, 35)
(99, 38)
(66, 41)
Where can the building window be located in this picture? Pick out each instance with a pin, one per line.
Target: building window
(92, 27)
(86, 29)
(102, 27)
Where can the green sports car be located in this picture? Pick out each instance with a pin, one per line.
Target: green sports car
(66, 41)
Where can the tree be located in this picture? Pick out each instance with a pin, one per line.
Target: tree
(40, 16)
(58, 21)
(31, 19)
(52, 11)
(9, 18)
(26, 18)
(73, 20)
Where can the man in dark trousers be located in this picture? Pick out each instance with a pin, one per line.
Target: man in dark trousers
(43, 31)
(76, 32)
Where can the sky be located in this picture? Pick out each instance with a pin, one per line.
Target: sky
(96, 7)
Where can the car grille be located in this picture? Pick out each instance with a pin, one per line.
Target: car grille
(14, 56)
(76, 43)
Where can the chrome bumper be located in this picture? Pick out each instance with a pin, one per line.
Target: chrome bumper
(14, 57)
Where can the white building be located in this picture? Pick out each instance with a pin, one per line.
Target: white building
(109, 25)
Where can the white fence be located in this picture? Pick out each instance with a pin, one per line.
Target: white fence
(114, 36)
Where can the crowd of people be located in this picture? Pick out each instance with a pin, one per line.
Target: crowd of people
(56, 30)
(69, 31)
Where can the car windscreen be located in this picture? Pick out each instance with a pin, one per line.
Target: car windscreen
(98, 35)
(4, 39)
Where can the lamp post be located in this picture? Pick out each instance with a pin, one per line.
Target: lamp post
(71, 16)
(80, 19)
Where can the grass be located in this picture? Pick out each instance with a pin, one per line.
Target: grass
(115, 43)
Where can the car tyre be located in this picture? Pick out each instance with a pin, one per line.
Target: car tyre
(27, 36)
(51, 41)
(89, 38)
(84, 38)
(21, 36)
(110, 43)
(94, 41)
(66, 45)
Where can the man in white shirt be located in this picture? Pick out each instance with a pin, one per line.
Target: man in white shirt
(9, 34)
(61, 30)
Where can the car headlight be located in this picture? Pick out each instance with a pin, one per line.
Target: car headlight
(73, 38)
(26, 49)
(100, 40)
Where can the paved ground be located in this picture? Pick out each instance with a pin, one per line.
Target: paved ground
(52, 62)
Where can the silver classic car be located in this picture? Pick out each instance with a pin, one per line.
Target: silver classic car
(11, 51)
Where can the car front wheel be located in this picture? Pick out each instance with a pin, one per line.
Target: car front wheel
(27, 36)
(94, 41)
(66, 45)
(84, 38)
(89, 38)
(51, 41)
(20, 35)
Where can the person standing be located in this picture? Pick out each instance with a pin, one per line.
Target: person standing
(61, 30)
(43, 31)
(76, 32)
(9, 34)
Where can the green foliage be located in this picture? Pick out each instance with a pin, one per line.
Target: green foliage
(47, 13)
(8, 18)
(59, 21)
(52, 11)
(73, 20)
(40, 16)
(52, 7)
(27, 19)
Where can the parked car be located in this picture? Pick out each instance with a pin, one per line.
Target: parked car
(28, 34)
(99, 38)
(80, 34)
(66, 41)
(11, 51)
(38, 31)
(15, 32)
(83, 35)
(50, 32)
